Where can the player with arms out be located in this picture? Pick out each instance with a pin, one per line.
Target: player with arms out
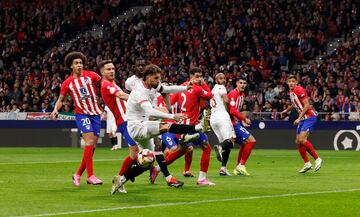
(305, 122)
(239, 121)
(140, 107)
(220, 122)
(189, 102)
(81, 86)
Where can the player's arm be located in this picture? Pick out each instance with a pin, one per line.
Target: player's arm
(306, 103)
(128, 85)
(57, 107)
(173, 88)
(154, 113)
(122, 95)
(286, 110)
(166, 98)
(226, 101)
(205, 92)
(233, 110)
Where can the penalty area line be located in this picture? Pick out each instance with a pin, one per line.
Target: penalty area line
(193, 202)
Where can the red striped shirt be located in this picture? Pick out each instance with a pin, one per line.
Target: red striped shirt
(83, 92)
(297, 95)
(115, 104)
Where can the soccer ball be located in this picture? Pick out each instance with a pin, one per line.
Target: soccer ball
(146, 158)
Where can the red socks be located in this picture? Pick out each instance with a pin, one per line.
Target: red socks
(127, 163)
(310, 148)
(241, 150)
(188, 160)
(205, 158)
(173, 155)
(302, 151)
(87, 158)
(246, 152)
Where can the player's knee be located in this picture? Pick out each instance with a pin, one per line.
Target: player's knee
(189, 148)
(301, 141)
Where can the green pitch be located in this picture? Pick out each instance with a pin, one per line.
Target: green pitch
(37, 182)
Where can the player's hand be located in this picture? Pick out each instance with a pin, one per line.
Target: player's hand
(283, 114)
(297, 121)
(179, 117)
(54, 115)
(189, 86)
(246, 122)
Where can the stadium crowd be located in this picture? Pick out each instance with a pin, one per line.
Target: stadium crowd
(266, 40)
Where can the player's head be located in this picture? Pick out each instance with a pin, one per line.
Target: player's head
(196, 75)
(75, 61)
(140, 63)
(107, 70)
(241, 83)
(292, 81)
(151, 75)
(220, 78)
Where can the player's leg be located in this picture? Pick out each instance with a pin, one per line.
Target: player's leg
(248, 141)
(203, 141)
(174, 151)
(188, 160)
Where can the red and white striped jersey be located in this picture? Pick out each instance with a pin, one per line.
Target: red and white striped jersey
(115, 104)
(236, 102)
(297, 96)
(83, 92)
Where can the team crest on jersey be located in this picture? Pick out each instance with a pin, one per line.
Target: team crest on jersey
(86, 80)
(112, 90)
(232, 103)
(83, 90)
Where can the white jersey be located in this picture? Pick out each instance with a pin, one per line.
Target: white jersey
(137, 96)
(135, 82)
(217, 103)
(132, 82)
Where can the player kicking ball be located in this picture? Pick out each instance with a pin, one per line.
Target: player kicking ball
(140, 107)
(220, 122)
(305, 122)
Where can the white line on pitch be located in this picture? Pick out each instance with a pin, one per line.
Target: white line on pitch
(57, 162)
(193, 202)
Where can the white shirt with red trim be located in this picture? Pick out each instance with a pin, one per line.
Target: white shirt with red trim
(297, 95)
(115, 104)
(83, 92)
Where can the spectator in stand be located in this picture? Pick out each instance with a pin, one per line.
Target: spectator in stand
(346, 108)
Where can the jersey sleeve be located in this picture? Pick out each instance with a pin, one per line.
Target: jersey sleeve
(95, 77)
(233, 109)
(64, 88)
(204, 92)
(301, 93)
(174, 98)
(109, 89)
(128, 84)
(222, 90)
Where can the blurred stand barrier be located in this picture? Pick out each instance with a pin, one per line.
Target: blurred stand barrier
(36, 130)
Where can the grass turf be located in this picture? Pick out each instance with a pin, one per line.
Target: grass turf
(36, 181)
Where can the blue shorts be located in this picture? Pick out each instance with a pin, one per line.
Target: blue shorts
(124, 132)
(306, 125)
(241, 133)
(169, 140)
(201, 140)
(88, 123)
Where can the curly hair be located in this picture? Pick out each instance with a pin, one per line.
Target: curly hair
(74, 55)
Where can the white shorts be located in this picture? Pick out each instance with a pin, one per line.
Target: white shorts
(143, 132)
(221, 124)
(110, 122)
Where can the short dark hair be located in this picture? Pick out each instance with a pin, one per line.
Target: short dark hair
(151, 69)
(291, 77)
(194, 70)
(104, 62)
(74, 55)
(242, 77)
